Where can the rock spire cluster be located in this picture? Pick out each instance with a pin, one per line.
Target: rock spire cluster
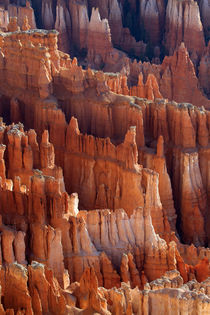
(104, 176)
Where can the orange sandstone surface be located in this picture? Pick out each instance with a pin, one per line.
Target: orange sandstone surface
(104, 187)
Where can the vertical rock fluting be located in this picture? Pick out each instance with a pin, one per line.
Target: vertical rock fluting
(193, 201)
(188, 16)
(111, 11)
(151, 19)
(20, 12)
(121, 37)
(41, 185)
(102, 183)
(89, 252)
(178, 75)
(47, 14)
(62, 25)
(173, 79)
(205, 10)
(158, 127)
(79, 21)
(158, 163)
(149, 90)
(99, 39)
(204, 72)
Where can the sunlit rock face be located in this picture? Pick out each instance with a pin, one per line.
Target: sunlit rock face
(104, 160)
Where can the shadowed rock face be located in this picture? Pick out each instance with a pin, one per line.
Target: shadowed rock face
(57, 89)
(59, 255)
(105, 34)
(104, 183)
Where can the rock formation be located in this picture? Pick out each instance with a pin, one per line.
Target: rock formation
(4, 19)
(47, 15)
(178, 71)
(20, 12)
(152, 20)
(104, 178)
(79, 21)
(149, 90)
(127, 25)
(99, 39)
(174, 79)
(62, 25)
(204, 71)
(188, 16)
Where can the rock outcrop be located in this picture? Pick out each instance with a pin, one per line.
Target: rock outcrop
(21, 12)
(151, 19)
(188, 16)
(38, 292)
(105, 195)
(204, 71)
(179, 74)
(99, 43)
(176, 78)
(183, 126)
(62, 25)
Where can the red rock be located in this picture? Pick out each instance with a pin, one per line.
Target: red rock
(47, 14)
(25, 26)
(2, 163)
(175, 77)
(180, 72)
(13, 26)
(89, 297)
(152, 20)
(79, 22)
(204, 71)
(204, 11)
(128, 206)
(202, 270)
(62, 24)
(188, 16)
(16, 295)
(149, 90)
(193, 204)
(21, 12)
(4, 19)
(98, 40)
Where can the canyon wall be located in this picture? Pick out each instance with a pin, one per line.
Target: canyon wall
(45, 238)
(104, 177)
(105, 34)
(65, 90)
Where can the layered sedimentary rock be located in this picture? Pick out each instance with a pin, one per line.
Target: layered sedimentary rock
(175, 79)
(121, 36)
(47, 15)
(152, 20)
(149, 90)
(32, 290)
(111, 11)
(190, 127)
(204, 11)
(96, 199)
(179, 75)
(39, 292)
(20, 12)
(73, 236)
(79, 22)
(204, 71)
(126, 23)
(4, 18)
(62, 25)
(99, 39)
(188, 16)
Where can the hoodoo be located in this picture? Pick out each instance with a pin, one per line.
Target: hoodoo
(104, 157)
